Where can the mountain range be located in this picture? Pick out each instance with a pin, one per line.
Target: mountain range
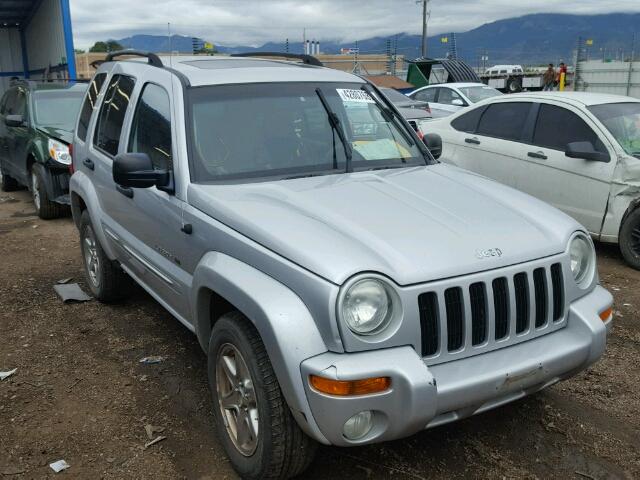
(527, 40)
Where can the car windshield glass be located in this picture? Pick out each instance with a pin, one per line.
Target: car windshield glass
(623, 121)
(475, 94)
(57, 108)
(254, 131)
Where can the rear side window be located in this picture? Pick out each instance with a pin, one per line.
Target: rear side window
(89, 105)
(468, 122)
(504, 120)
(112, 113)
(557, 126)
(426, 95)
(151, 130)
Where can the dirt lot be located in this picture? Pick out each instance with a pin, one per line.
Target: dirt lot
(80, 393)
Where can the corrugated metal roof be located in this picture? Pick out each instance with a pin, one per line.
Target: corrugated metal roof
(16, 12)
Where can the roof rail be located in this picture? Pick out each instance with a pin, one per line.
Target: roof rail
(153, 58)
(306, 59)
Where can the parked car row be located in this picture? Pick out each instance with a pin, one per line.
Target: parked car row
(579, 152)
(347, 287)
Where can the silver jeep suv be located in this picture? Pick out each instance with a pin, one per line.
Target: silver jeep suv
(347, 288)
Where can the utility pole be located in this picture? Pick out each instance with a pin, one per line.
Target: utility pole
(425, 17)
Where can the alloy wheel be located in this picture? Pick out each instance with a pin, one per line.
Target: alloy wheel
(237, 399)
(35, 190)
(91, 258)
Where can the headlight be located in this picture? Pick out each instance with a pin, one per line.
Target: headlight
(59, 152)
(367, 306)
(582, 259)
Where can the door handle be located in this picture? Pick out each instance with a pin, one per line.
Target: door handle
(473, 140)
(87, 162)
(539, 155)
(126, 191)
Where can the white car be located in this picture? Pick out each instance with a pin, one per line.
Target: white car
(451, 97)
(578, 151)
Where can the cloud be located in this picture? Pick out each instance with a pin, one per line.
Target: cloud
(254, 22)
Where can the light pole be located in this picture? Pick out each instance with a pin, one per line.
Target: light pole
(425, 17)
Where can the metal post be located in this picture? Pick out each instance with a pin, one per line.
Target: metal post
(633, 52)
(425, 4)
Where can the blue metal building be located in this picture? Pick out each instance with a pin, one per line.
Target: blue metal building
(36, 40)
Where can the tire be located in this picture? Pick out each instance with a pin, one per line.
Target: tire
(45, 208)
(107, 281)
(9, 184)
(630, 239)
(281, 449)
(514, 85)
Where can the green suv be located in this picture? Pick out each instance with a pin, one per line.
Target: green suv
(36, 130)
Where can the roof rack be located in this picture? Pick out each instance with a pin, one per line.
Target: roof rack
(306, 59)
(153, 58)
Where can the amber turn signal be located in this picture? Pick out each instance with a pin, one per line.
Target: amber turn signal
(351, 387)
(606, 315)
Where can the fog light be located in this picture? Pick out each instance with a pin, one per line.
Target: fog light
(358, 425)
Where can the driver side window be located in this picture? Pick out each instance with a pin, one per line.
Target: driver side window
(151, 128)
(426, 95)
(447, 96)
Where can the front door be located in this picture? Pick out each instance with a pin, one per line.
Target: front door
(578, 187)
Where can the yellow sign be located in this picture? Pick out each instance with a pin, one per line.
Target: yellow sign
(589, 42)
(208, 46)
(444, 39)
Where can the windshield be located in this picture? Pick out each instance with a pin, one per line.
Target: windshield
(475, 94)
(56, 108)
(283, 130)
(623, 121)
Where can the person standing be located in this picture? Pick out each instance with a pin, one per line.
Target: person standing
(548, 79)
(559, 79)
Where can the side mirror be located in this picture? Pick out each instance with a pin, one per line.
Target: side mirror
(136, 170)
(14, 121)
(433, 141)
(457, 102)
(585, 151)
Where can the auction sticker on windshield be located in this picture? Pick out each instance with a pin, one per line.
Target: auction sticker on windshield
(352, 95)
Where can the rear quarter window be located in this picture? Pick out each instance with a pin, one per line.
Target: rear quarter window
(89, 105)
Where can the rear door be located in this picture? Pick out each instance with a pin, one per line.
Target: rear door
(490, 139)
(578, 187)
(151, 218)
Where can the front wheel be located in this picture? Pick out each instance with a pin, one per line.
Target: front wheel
(630, 239)
(253, 420)
(45, 208)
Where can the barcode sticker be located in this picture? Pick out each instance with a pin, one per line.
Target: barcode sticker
(352, 95)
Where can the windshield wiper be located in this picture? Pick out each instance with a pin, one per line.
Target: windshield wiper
(337, 128)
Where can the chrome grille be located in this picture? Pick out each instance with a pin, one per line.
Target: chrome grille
(458, 315)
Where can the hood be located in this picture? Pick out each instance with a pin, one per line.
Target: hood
(412, 224)
(64, 134)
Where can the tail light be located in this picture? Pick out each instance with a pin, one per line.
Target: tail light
(71, 169)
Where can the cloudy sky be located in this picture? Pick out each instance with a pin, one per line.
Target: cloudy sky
(254, 22)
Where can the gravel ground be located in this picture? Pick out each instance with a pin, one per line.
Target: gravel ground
(81, 395)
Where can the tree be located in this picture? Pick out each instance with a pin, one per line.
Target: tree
(108, 46)
(78, 50)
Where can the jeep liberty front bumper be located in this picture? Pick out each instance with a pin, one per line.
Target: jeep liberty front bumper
(423, 396)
